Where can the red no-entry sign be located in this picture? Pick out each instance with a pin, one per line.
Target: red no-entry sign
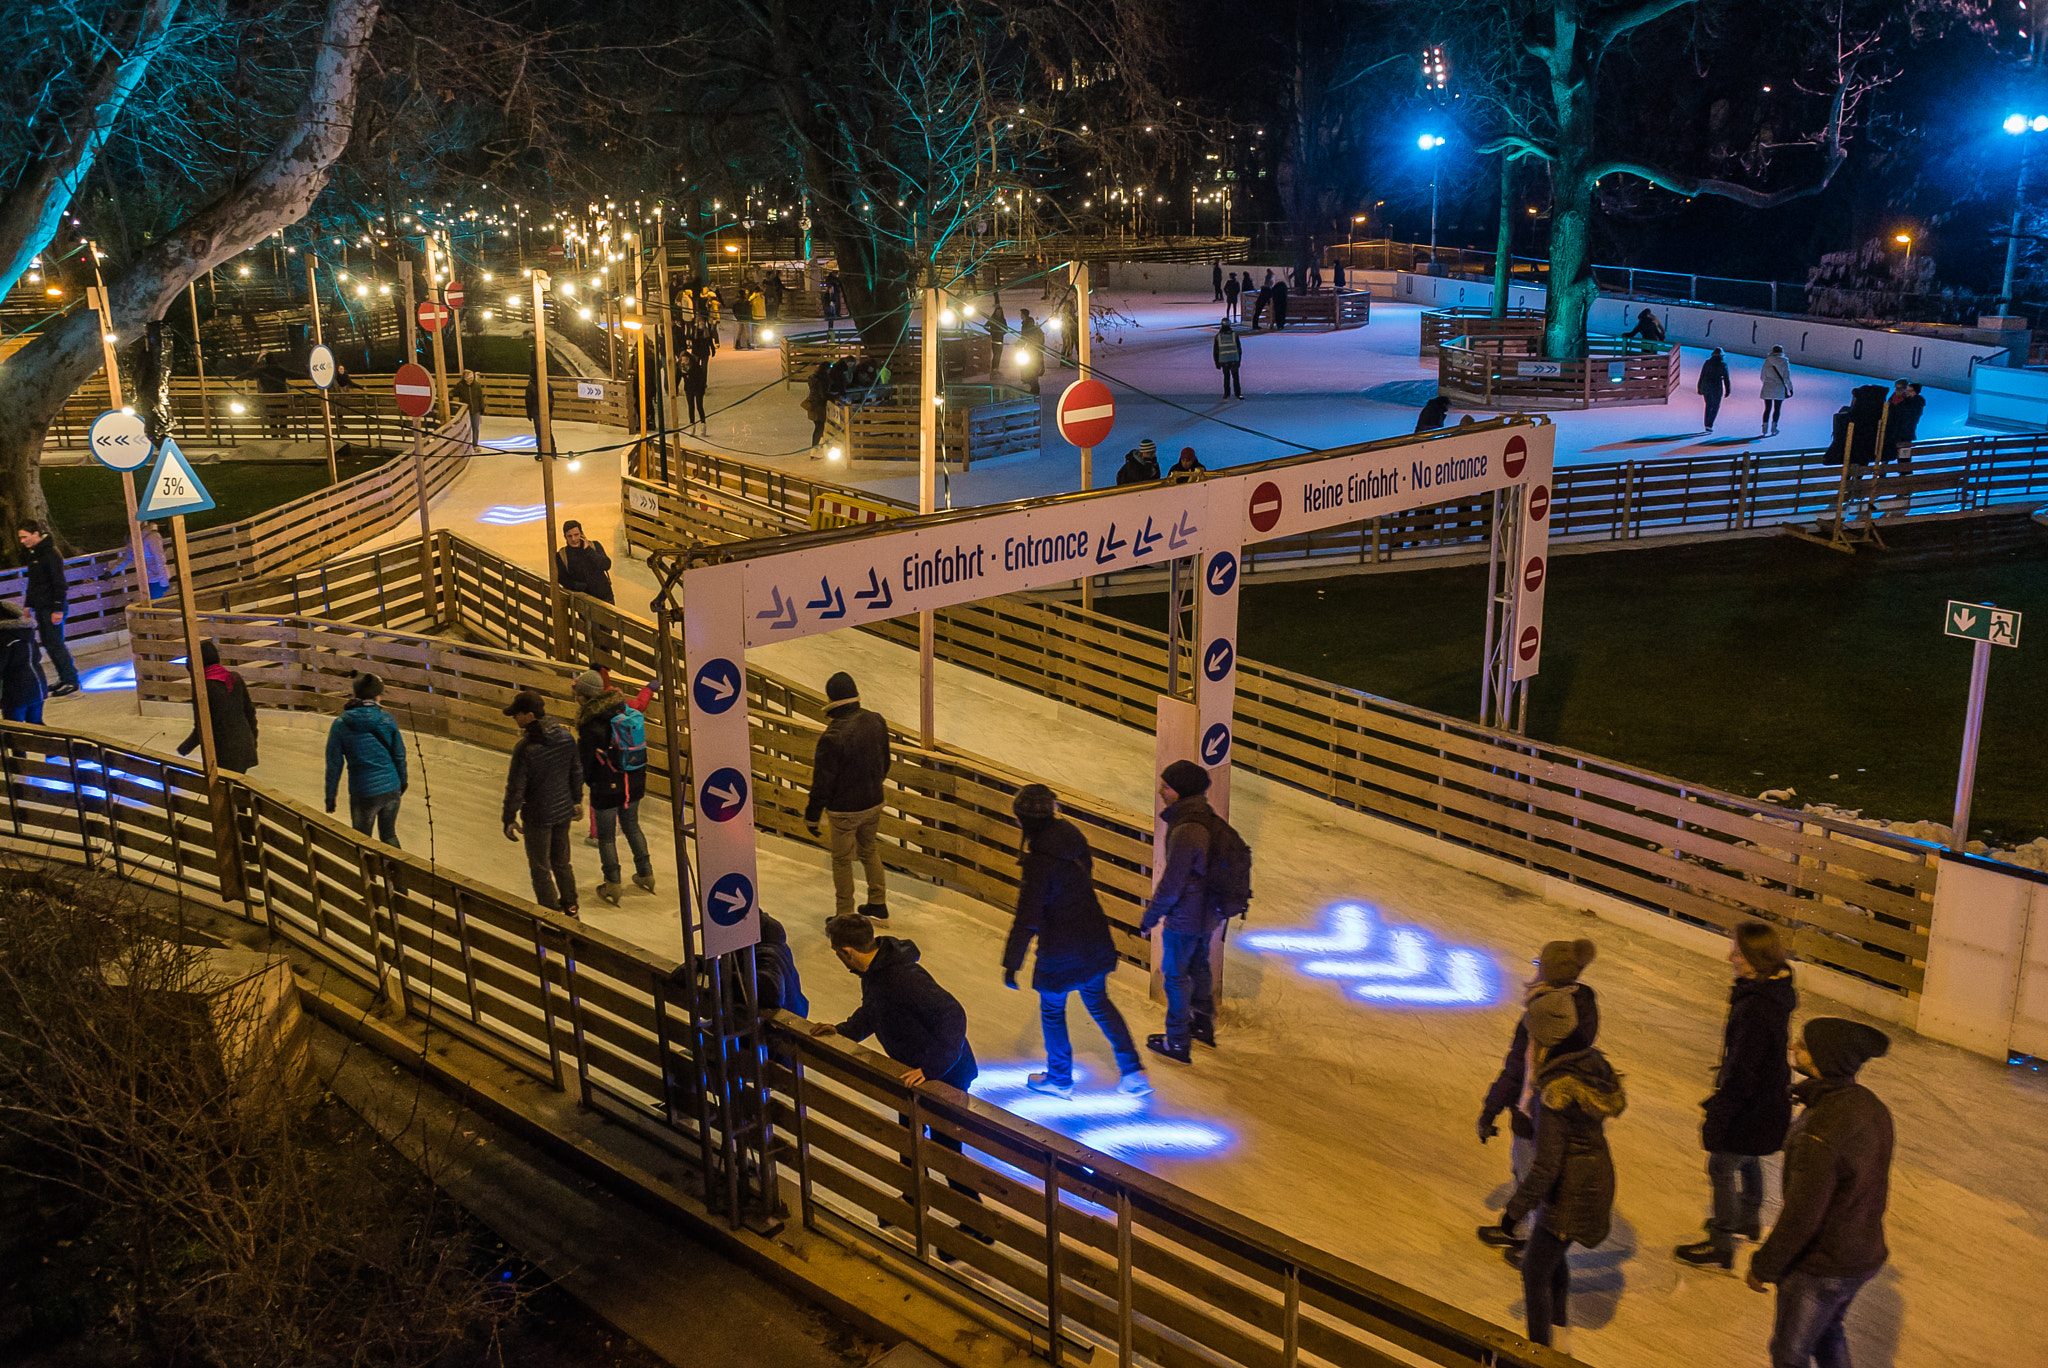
(1539, 503)
(1264, 510)
(455, 295)
(1087, 411)
(1527, 645)
(414, 390)
(1532, 574)
(433, 315)
(1515, 457)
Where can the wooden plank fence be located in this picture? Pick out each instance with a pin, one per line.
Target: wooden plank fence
(1500, 372)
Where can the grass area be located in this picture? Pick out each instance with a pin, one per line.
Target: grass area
(1738, 665)
(91, 515)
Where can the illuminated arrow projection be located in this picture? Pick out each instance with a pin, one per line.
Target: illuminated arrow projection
(1393, 965)
(1101, 1117)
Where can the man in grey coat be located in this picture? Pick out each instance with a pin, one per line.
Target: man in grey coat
(544, 796)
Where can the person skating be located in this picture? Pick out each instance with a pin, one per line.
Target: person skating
(1279, 305)
(1216, 278)
(1714, 385)
(1261, 300)
(1337, 277)
(21, 683)
(1184, 910)
(1056, 903)
(543, 799)
(1829, 1239)
(771, 295)
(998, 328)
(1231, 290)
(48, 599)
(1647, 328)
(611, 750)
(1229, 354)
(470, 390)
(1751, 1106)
(1570, 1183)
(365, 741)
(847, 770)
(816, 405)
(1776, 389)
(1558, 965)
(1031, 342)
(232, 712)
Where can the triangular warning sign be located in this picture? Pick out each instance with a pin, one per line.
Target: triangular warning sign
(172, 487)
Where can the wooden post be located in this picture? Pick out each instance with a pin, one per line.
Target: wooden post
(557, 623)
(326, 409)
(411, 320)
(434, 292)
(665, 318)
(199, 360)
(196, 667)
(1973, 729)
(96, 298)
(455, 314)
(927, 459)
(1084, 354)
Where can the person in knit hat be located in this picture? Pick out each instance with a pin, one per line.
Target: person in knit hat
(611, 748)
(1829, 1239)
(847, 772)
(1558, 965)
(1181, 903)
(1148, 457)
(1056, 903)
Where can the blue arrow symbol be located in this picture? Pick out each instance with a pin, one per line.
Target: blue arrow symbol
(828, 596)
(876, 589)
(1147, 539)
(1182, 532)
(1467, 981)
(1110, 546)
(783, 614)
(1222, 572)
(1216, 744)
(1218, 661)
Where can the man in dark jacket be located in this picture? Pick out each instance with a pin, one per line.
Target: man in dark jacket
(616, 782)
(1714, 385)
(47, 598)
(470, 390)
(366, 741)
(777, 985)
(232, 712)
(847, 770)
(1181, 903)
(582, 565)
(1056, 902)
(1751, 1108)
(1279, 305)
(1829, 1239)
(1231, 290)
(543, 791)
(1558, 965)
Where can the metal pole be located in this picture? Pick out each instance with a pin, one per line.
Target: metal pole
(97, 299)
(665, 341)
(546, 436)
(927, 458)
(199, 359)
(411, 320)
(326, 409)
(1973, 727)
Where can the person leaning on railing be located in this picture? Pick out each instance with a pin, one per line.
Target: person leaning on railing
(154, 567)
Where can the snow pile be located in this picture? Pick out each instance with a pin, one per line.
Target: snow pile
(2031, 855)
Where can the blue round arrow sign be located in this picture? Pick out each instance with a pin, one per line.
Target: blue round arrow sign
(730, 899)
(1216, 744)
(1222, 572)
(723, 795)
(1217, 660)
(719, 685)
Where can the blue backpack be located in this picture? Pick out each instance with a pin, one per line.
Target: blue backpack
(629, 739)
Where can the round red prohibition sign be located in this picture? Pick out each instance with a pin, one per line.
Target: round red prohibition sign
(1532, 574)
(455, 296)
(1527, 646)
(1265, 507)
(414, 390)
(433, 314)
(1539, 503)
(1086, 413)
(1515, 457)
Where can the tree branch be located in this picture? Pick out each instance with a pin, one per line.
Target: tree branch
(1613, 25)
(1679, 184)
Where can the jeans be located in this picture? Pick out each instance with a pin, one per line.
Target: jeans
(379, 808)
(694, 399)
(28, 712)
(1052, 1023)
(1772, 408)
(547, 863)
(1713, 403)
(476, 429)
(609, 820)
(1738, 1181)
(51, 634)
(1188, 990)
(853, 834)
(1546, 1282)
(1521, 1158)
(1808, 1327)
(1230, 383)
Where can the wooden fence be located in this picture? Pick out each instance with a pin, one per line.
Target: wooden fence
(1444, 325)
(978, 423)
(1498, 372)
(1072, 1249)
(229, 413)
(1330, 309)
(963, 355)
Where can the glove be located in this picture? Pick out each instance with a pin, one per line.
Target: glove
(812, 827)
(1009, 978)
(330, 809)
(1487, 1129)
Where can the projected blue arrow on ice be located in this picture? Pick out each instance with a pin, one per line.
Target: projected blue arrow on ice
(1100, 1117)
(1404, 965)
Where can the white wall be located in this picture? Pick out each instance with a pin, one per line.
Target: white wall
(1875, 352)
(1987, 959)
(2008, 398)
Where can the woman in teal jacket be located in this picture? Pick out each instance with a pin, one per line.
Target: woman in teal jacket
(366, 740)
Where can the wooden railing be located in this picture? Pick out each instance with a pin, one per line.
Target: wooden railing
(1443, 325)
(1080, 1250)
(963, 354)
(978, 423)
(1497, 372)
(231, 412)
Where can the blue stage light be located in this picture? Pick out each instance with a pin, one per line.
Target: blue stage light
(1101, 1118)
(512, 515)
(1411, 966)
(120, 675)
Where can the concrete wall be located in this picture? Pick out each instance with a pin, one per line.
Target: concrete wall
(1987, 959)
(1876, 352)
(2003, 398)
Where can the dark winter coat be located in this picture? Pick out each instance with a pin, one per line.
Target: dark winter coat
(545, 781)
(1714, 377)
(1903, 427)
(1182, 898)
(1057, 904)
(1751, 1108)
(1279, 303)
(1506, 1093)
(585, 569)
(1134, 470)
(532, 399)
(776, 984)
(1570, 1184)
(1866, 411)
(1031, 338)
(1231, 289)
(471, 392)
(48, 590)
(850, 763)
(610, 786)
(920, 1025)
(21, 683)
(367, 740)
(1259, 304)
(1837, 1179)
(234, 721)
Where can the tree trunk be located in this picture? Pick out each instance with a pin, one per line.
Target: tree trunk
(1572, 288)
(1504, 239)
(37, 380)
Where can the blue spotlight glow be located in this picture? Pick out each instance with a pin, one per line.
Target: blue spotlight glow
(1101, 1118)
(1411, 966)
(524, 442)
(1408, 958)
(512, 515)
(1468, 980)
(120, 675)
(88, 791)
(1352, 927)
(1154, 1137)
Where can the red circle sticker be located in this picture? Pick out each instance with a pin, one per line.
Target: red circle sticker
(1539, 503)
(1265, 507)
(1532, 574)
(1527, 646)
(1515, 457)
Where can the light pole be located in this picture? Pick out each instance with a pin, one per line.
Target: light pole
(2017, 124)
(1430, 142)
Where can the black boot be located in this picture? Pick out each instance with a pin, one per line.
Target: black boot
(1203, 1028)
(1705, 1255)
(1174, 1050)
(1497, 1236)
(879, 911)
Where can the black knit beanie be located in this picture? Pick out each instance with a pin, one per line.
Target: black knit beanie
(1839, 1046)
(840, 688)
(1186, 778)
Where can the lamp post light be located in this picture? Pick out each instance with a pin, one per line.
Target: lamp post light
(1430, 142)
(1906, 240)
(2017, 124)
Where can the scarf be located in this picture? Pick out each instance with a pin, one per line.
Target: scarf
(220, 674)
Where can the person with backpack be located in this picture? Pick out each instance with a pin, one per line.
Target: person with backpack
(365, 740)
(1207, 880)
(611, 747)
(847, 772)
(1056, 903)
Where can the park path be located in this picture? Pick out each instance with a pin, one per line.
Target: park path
(1344, 1122)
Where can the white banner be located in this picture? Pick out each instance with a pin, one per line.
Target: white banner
(1216, 668)
(721, 760)
(1534, 572)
